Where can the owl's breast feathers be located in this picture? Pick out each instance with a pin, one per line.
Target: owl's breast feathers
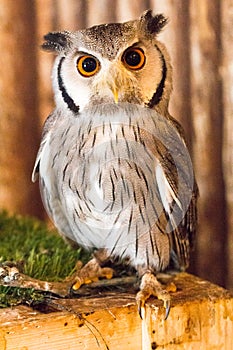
(119, 177)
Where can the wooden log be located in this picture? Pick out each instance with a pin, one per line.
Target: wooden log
(201, 317)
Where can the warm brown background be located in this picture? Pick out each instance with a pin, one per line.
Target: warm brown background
(199, 37)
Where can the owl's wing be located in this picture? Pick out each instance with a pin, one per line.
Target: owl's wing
(178, 196)
(48, 125)
(48, 187)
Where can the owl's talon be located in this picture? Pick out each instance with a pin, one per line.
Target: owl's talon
(91, 272)
(167, 305)
(140, 308)
(151, 287)
(77, 284)
(164, 295)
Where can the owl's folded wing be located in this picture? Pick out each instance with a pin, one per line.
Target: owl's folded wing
(179, 203)
(49, 123)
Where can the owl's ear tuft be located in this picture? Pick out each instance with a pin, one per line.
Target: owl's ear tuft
(57, 41)
(153, 24)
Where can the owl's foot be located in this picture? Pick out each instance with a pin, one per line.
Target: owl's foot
(91, 272)
(150, 286)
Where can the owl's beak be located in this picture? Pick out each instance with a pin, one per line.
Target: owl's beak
(115, 94)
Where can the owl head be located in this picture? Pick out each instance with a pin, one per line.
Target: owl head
(111, 63)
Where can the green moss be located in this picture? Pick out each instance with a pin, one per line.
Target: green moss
(42, 253)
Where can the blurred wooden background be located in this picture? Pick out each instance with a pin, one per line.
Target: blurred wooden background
(199, 37)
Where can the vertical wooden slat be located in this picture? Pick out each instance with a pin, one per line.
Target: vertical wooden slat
(45, 24)
(18, 107)
(127, 10)
(227, 74)
(70, 15)
(100, 11)
(181, 98)
(207, 103)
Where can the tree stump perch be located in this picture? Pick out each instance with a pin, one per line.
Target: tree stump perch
(201, 317)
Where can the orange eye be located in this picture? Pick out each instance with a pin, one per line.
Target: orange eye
(134, 58)
(88, 65)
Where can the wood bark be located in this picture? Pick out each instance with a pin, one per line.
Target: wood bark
(19, 137)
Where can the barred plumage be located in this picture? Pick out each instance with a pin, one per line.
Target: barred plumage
(115, 173)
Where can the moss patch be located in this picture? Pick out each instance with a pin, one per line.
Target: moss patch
(41, 252)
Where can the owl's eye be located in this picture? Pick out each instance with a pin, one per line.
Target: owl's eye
(134, 58)
(88, 65)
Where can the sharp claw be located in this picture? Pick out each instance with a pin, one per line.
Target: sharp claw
(140, 300)
(167, 305)
(140, 309)
(140, 313)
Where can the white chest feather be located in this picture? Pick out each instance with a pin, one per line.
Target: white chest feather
(102, 166)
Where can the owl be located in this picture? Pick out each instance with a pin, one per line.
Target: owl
(114, 170)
